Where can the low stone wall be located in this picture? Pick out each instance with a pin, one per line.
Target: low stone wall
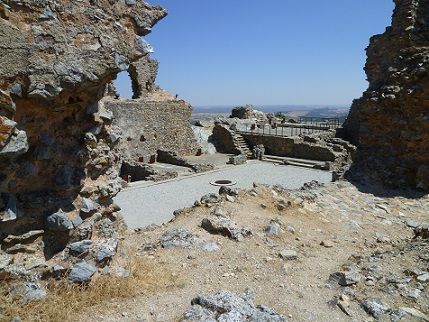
(224, 140)
(293, 147)
(148, 126)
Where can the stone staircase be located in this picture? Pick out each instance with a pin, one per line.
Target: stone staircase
(241, 145)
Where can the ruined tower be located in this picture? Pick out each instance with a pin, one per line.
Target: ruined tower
(390, 123)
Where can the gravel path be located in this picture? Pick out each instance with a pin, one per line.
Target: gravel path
(145, 203)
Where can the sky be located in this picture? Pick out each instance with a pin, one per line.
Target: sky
(272, 52)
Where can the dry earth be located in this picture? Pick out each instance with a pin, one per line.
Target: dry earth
(366, 235)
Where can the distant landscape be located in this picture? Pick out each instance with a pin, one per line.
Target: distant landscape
(292, 111)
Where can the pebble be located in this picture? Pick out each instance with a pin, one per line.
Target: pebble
(327, 244)
(423, 277)
(288, 254)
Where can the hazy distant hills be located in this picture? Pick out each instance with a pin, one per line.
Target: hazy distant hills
(293, 111)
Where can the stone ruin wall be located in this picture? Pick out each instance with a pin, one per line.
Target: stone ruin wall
(149, 126)
(153, 120)
(56, 148)
(390, 123)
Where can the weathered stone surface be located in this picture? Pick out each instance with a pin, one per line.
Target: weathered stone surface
(82, 272)
(346, 278)
(375, 307)
(227, 306)
(246, 112)
(389, 123)
(288, 254)
(106, 250)
(56, 61)
(182, 238)
(27, 292)
(149, 125)
(80, 248)
(224, 139)
(210, 198)
(225, 227)
(59, 222)
(27, 237)
(136, 171)
(89, 206)
(238, 159)
(229, 191)
(319, 148)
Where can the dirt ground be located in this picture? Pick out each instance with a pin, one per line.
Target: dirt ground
(359, 231)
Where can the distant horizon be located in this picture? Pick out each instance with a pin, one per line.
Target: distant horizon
(278, 105)
(226, 109)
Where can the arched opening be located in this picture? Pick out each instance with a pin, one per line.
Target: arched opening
(124, 85)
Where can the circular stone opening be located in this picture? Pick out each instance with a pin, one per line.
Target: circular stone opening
(224, 183)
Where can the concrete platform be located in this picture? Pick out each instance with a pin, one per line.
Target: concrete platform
(146, 203)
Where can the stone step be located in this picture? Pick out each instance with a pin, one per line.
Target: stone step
(289, 159)
(295, 162)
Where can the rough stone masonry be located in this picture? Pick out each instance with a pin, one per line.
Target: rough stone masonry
(390, 123)
(58, 165)
(153, 120)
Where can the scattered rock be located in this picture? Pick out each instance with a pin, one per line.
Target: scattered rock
(422, 232)
(282, 204)
(415, 313)
(375, 307)
(182, 238)
(107, 250)
(89, 206)
(226, 306)
(327, 244)
(178, 238)
(82, 272)
(19, 248)
(238, 159)
(230, 198)
(27, 237)
(58, 271)
(228, 191)
(273, 229)
(80, 248)
(27, 292)
(210, 198)
(346, 279)
(411, 223)
(423, 277)
(59, 222)
(5, 260)
(225, 227)
(288, 254)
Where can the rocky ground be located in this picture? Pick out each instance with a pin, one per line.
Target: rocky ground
(322, 253)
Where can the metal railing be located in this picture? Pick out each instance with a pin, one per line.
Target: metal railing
(288, 129)
(333, 123)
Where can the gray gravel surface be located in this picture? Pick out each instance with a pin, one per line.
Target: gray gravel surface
(146, 203)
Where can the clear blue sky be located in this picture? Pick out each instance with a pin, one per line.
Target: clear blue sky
(231, 52)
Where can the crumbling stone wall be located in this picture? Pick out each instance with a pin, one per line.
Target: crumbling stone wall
(328, 148)
(143, 75)
(147, 126)
(56, 142)
(390, 123)
(224, 139)
(153, 120)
